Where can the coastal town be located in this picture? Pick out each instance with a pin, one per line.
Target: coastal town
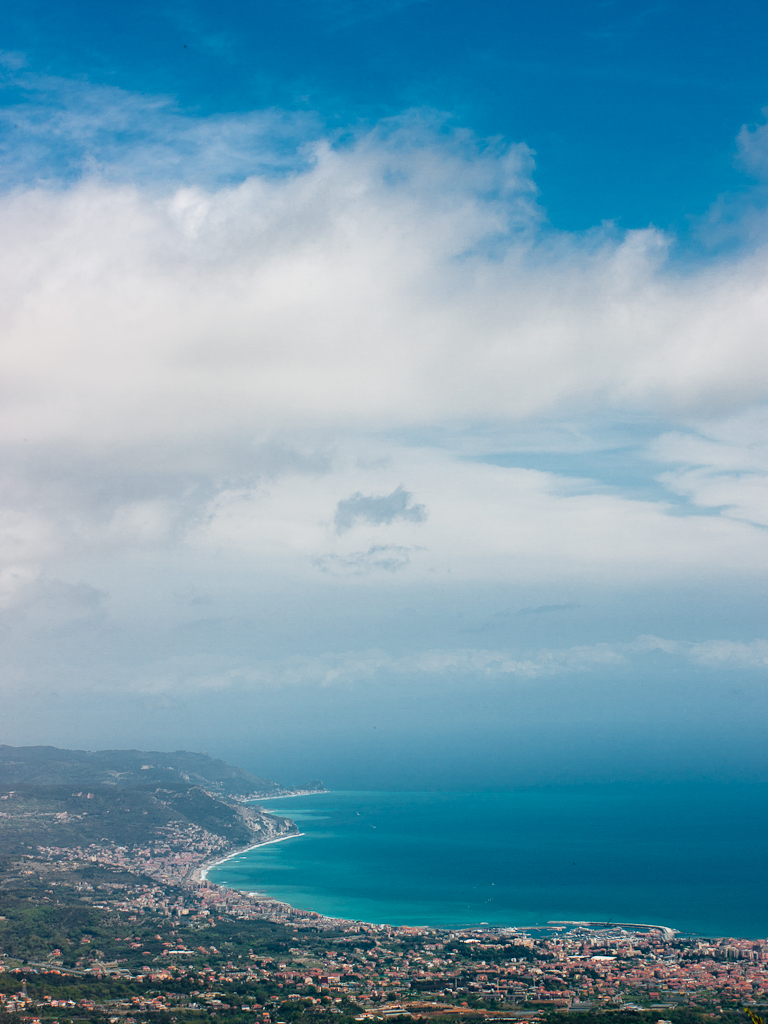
(107, 914)
(361, 969)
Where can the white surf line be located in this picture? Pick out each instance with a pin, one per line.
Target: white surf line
(288, 796)
(266, 842)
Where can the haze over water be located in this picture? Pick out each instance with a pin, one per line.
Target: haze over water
(689, 856)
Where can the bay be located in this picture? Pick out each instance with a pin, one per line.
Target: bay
(691, 857)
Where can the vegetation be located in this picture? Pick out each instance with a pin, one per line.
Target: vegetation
(103, 919)
(50, 766)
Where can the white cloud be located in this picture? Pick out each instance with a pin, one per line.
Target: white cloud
(724, 465)
(474, 663)
(486, 523)
(199, 369)
(63, 129)
(186, 675)
(397, 282)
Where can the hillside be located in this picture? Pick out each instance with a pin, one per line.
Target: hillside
(33, 816)
(147, 812)
(51, 766)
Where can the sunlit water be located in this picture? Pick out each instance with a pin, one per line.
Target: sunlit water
(693, 857)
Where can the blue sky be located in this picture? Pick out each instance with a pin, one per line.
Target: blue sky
(384, 386)
(632, 109)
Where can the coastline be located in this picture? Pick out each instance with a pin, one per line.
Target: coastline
(202, 871)
(364, 827)
(287, 796)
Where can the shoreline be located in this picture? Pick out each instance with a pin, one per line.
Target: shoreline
(202, 871)
(253, 798)
(667, 932)
(287, 796)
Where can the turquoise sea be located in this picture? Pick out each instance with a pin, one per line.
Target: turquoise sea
(693, 857)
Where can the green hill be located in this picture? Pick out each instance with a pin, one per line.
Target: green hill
(51, 766)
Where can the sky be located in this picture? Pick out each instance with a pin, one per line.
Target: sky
(384, 387)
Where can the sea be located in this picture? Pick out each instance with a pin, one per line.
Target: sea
(693, 857)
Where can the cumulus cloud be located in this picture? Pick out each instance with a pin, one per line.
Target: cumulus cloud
(212, 328)
(164, 336)
(402, 279)
(380, 509)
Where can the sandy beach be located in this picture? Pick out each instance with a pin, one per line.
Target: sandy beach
(203, 871)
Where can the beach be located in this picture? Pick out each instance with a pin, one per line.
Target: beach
(201, 873)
